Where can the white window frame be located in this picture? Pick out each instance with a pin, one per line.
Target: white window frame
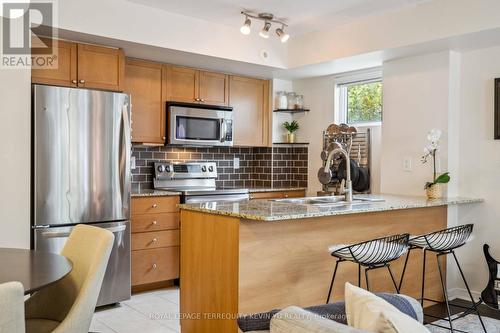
(342, 82)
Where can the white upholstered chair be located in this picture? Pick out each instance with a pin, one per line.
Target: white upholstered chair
(11, 307)
(68, 305)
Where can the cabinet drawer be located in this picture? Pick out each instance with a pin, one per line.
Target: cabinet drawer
(155, 239)
(294, 194)
(155, 265)
(155, 222)
(266, 195)
(154, 205)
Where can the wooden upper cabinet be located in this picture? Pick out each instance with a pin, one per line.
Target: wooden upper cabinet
(144, 81)
(85, 66)
(194, 86)
(64, 73)
(182, 84)
(250, 101)
(100, 67)
(214, 88)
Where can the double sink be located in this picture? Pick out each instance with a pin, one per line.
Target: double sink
(330, 201)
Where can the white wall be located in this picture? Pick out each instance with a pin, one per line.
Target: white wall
(279, 118)
(479, 159)
(129, 21)
(416, 99)
(15, 127)
(430, 21)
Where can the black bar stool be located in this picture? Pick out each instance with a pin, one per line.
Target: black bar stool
(372, 254)
(444, 242)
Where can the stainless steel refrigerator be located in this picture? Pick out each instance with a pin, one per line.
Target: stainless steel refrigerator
(81, 174)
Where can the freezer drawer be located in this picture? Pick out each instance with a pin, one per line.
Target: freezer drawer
(116, 284)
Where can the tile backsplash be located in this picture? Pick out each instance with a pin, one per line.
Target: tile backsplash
(259, 166)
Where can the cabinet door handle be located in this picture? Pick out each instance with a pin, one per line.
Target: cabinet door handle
(154, 206)
(155, 240)
(196, 99)
(74, 81)
(82, 81)
(154, 266)
(154, 222)
(202, 100)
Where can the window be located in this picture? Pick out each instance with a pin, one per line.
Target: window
(360, 101)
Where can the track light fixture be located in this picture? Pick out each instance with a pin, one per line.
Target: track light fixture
(268, 20)
(283, 36)
(264, 33)
(245, 28)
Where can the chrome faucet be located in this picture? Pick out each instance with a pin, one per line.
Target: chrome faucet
(347, 190)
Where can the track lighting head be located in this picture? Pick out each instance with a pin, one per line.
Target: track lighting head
(264, 33)
(283, 36)
(245, 28)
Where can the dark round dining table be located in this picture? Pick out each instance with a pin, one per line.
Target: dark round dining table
(35, 270)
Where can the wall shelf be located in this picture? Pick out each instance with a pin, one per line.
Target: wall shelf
(291, 110)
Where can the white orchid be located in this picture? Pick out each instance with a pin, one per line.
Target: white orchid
(434, 138)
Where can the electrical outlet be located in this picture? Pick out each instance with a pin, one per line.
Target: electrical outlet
(236, 163)
(132, 163)
(407, 164)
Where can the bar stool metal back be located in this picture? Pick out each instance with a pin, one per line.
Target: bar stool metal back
(444, 242)
(372, 254)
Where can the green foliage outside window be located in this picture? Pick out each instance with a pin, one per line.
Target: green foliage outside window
(364, 102)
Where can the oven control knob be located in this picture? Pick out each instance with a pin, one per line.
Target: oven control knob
(161, 168)
(211, 168)
(204, 168)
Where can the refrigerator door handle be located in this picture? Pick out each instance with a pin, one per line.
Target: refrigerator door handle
(57, 234)
(125, 155)
(45, 226)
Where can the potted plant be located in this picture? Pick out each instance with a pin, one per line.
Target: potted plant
(291, 128)
(433, 189)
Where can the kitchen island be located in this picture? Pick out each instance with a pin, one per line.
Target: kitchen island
(258, 255)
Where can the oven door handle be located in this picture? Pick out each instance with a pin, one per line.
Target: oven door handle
(223, 130)
(220, 198)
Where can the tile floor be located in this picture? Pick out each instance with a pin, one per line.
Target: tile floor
(149, 312)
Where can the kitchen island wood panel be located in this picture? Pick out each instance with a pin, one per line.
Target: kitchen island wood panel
(232, 265)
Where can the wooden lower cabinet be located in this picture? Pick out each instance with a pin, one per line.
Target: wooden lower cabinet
(155, 222)
(155, 241)
(278, 194)
(155, 265)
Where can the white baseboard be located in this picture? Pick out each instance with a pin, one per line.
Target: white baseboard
(462, 294)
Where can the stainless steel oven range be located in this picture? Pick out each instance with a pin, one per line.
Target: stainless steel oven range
(195, 182)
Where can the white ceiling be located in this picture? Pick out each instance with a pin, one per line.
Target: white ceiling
(302, 15)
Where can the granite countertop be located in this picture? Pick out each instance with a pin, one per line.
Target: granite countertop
(161, 193)
(269, 210)
(153, 193)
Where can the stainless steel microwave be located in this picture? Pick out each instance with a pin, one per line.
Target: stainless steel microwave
(199, 125)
